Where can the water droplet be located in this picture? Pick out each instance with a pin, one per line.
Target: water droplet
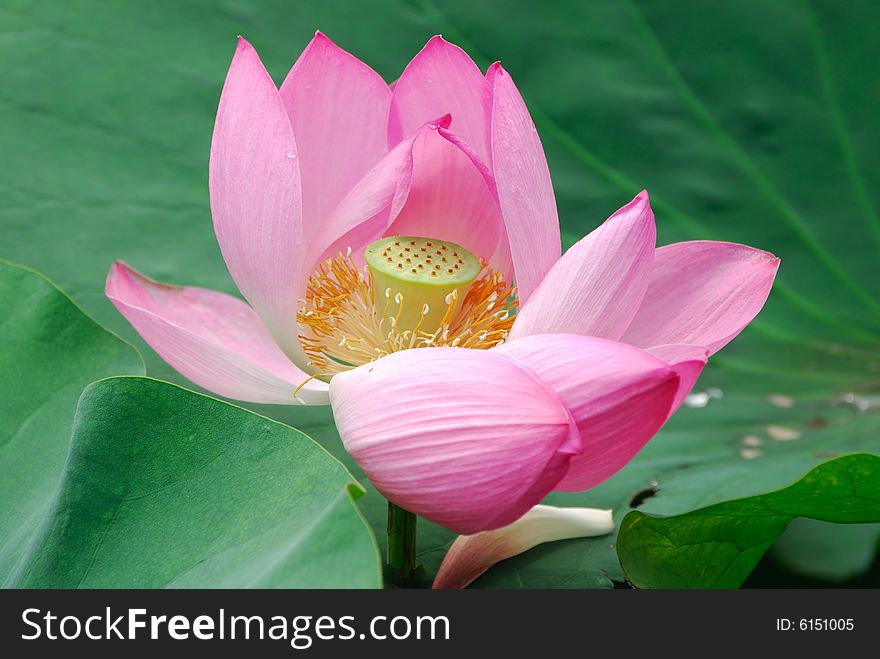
(752, 440)
(782, 433)
(781, 400)
(703, 398)
(697, 399)
(860, 402)
(751, 453)
(291, 154)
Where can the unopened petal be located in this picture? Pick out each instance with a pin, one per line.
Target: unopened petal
(468, 439)
(213, 339)
(471, 555)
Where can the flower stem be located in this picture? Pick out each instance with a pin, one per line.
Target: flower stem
(402, 569)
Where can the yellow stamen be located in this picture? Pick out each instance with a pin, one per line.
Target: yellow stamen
(342, 328)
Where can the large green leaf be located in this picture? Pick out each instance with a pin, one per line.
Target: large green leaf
(145, 484)
(164, 487)
(717, 546)
(49, 351)
(746, 122)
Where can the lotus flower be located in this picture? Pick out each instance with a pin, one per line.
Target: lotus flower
(399, 252)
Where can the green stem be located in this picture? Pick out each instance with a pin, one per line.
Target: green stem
(402, 569)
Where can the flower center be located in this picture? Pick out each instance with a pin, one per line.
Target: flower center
(423, 273)
(412, 293)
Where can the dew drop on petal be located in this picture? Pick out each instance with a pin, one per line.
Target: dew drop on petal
(291, 154)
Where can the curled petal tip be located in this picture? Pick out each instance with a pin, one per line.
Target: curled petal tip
(435, 42)
(112, 274)
(442, 122)
(471, 555)
(641, 203)
(320, 37)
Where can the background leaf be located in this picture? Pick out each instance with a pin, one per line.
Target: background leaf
(834, 552)
(168, 488)
(49, 351)
(748, 123)
(717, 547)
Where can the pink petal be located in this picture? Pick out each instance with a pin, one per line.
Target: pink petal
(255, 195)
(492, 73)
(371, 205)
(213, 339)
(338, 107)
(466, 438)
(481, 166)
(597, 286)
(471, 555)
(440, 80)
(449, 199)
(687, 361)
(702, 293)
(618, 395)
(525, 190)
(430, 185)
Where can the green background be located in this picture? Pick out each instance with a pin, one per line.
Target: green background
(748, 122)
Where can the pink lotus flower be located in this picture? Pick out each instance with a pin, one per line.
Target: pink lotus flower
(360, 221)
